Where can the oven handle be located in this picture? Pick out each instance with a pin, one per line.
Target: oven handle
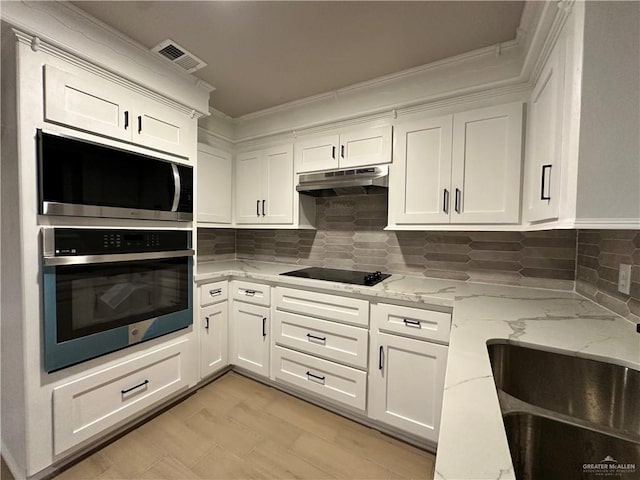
(120, 257)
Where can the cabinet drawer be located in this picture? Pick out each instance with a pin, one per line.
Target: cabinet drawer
(335, 382)
(215, 292)
(251, 293)
(412, 322)
(89, 405)
(333, 341)
(322, 305)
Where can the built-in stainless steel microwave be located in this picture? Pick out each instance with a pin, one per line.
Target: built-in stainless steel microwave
(87, 179)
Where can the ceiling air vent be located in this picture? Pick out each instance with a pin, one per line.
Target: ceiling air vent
(178, 55)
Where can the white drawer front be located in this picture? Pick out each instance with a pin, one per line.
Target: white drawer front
(89, 405)
(333, 341)
(412, 322)
(336, 382)
(248, 292)
(215, 292)
(322, 305)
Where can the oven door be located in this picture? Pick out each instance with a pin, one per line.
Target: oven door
(95, 305)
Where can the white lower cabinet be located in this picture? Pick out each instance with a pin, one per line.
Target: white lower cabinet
(406, 380)
(213, 339)
(89, 405)
(250, 337)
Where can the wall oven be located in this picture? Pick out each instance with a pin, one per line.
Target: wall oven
(82, 178)
(106, 289)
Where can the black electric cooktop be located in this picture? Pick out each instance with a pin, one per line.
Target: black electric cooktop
(342, 276)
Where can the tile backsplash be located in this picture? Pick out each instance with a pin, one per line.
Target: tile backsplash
(600, 253)
(350, 234)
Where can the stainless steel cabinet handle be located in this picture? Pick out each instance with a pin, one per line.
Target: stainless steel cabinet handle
(445, 201)
(264, 326)
(342, 151)
(258, 208)
(263, 209)
(322, 339)
(216, 292)
(249, 293)
(411, 323)
(333, 152)
(127, 390)
(317, 377)
(206, 323)
(543, 182)
(381, 358)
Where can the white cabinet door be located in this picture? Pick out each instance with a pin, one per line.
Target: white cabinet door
(487, 158)
(419, 190)
(214, 185)
(249, 187)
(162, 128)
(406, 382)
(213, 338)
(250, 327)
(277, 198)
(90, 104)
(369, 146)
(544, 141)
(318, 153)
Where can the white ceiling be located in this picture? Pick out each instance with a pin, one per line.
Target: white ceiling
(263, 54)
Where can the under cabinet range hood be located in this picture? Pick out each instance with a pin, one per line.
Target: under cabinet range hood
(359, 181)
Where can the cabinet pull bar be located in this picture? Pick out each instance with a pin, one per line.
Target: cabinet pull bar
(342, 151)
(317, 377)
(264, 326)
(322, 339)
(333, 152)
(381, 358)
(216, 292)
(457, 200)
(263, 208)
(206, 322)
(445, 201)
(127, 390)
(412, 323)
(139, 123)
(249, 293)
(543, 182)
(258, 208)
(126, 119)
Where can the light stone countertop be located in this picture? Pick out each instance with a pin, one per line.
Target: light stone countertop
(472, 443)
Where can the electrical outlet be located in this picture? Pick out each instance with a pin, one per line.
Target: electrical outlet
(624, 279)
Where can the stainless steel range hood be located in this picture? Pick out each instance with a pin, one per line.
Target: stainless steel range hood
(370, 180)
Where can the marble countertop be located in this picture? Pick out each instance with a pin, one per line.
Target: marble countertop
(472, 443)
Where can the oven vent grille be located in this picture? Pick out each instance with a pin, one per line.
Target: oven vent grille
(178, 55)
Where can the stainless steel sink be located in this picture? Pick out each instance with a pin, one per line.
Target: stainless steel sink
(561, 412)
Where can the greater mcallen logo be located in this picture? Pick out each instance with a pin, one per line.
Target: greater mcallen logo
(608, 466)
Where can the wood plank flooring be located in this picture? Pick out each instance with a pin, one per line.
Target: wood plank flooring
(236, 428)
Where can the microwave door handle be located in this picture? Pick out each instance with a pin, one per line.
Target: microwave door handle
(176, 189)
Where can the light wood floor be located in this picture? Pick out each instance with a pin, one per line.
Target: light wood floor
(236, 428)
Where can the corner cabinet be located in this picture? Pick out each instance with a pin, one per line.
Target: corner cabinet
(264, 186)
(215, 178)
(458, 169)
(348, 149)
(90, 103)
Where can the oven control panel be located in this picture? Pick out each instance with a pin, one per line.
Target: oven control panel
(90, 241)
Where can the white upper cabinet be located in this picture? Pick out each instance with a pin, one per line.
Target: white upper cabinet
(421, 176)
(93, 104)
(215, 176)
(544, 141)
(264, 186)
(349, 149)
(486, 165)
(462, 168)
